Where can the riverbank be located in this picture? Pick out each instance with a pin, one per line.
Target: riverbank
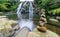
(7, 26)
(36, 33)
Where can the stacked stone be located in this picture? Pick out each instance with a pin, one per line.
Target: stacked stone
(42, 18)
(42, 21)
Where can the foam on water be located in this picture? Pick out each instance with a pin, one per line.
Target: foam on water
(26, 23)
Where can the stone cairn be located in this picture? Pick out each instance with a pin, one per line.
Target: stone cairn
(42, 21)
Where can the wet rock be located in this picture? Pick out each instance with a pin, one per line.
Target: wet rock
(16, 28)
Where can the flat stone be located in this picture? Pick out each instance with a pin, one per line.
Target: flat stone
(42, 29)
(22, 33)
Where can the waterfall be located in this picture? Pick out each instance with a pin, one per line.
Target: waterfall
(23, 12)
(19, 11)
(31, 11)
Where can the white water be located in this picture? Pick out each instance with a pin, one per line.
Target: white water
(19, 11)
(25, 22)
(31, 11)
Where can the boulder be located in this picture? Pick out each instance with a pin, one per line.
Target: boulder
(42, 29)
(6, 27)
(16, 28)
(2, 16)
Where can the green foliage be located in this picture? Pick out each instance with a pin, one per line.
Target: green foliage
(54, 11)
(8, 5)
(54, 5)
(42, 3)
(3, 7)
(45, 2)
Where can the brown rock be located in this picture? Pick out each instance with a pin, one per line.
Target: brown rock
(40, 25)
(30, 34)
(42, 29)
(16, 27)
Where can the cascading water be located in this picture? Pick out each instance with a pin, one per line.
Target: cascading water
(31, 11)
(25, 14)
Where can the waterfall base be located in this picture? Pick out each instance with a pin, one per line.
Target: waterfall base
(26, 23)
